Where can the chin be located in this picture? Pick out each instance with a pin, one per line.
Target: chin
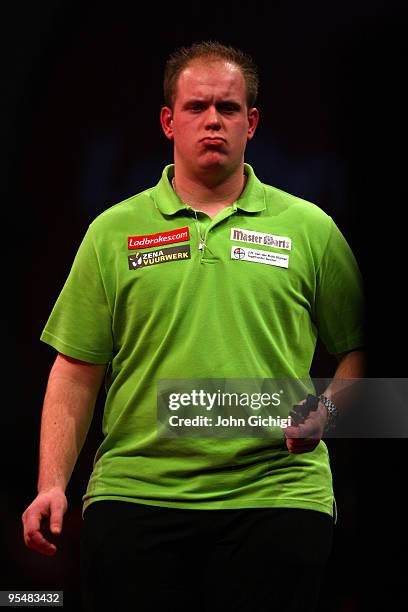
(214, 160)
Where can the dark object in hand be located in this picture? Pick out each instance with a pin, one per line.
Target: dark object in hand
(299, 412)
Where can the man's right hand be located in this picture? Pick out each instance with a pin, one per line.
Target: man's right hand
(45, 513)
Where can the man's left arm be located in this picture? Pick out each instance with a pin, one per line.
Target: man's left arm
(306, 436)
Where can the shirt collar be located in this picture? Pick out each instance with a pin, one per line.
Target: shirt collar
(252, 199)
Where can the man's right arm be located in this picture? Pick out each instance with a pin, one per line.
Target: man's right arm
(69, 404)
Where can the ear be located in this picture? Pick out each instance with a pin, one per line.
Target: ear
(253, 118)
(166, 120)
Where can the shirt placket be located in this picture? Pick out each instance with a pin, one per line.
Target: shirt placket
(205, 225)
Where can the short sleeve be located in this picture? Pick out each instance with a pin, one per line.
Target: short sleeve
(80, 324)
(339, 301)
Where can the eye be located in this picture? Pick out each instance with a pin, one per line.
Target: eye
(228, 108)
(196, 107)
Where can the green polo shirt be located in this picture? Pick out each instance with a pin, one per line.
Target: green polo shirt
(275, 273)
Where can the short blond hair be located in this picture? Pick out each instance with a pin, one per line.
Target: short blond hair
(214, 50)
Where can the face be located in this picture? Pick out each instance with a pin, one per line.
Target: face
(210, 123)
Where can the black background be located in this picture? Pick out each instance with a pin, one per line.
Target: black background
(82, 94)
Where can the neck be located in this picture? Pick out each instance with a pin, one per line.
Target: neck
(208, 194)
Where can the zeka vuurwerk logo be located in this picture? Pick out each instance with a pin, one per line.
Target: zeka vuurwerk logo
(145, 260)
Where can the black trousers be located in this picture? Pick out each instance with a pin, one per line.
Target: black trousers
(136, 557)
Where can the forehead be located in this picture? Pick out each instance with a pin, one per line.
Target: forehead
(216, 77)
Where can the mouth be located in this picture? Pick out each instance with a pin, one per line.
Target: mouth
(212, 141)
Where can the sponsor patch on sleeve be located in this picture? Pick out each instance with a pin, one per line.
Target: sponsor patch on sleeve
(280, 242)
(162, 238)
(151, 258)
(260, 256)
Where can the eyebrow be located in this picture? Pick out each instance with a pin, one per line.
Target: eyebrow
(228, 101)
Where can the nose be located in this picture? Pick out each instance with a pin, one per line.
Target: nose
(212, 119)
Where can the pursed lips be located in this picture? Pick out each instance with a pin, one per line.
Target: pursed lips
(213, 139)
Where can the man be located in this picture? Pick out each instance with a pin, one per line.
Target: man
(170, 284)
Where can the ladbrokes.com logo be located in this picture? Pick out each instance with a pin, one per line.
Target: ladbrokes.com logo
(145, 260)
(162, 238)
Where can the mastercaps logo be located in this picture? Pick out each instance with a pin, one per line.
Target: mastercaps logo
(145, 260)
(241, 235)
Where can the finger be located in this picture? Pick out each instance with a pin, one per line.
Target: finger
(309, 441)
(33, 536)
(302, 432)
(310, 429)
(56, 516)
(32, 522)
(36, 541)
(310, 444)
(293, 431)
(297, 446)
